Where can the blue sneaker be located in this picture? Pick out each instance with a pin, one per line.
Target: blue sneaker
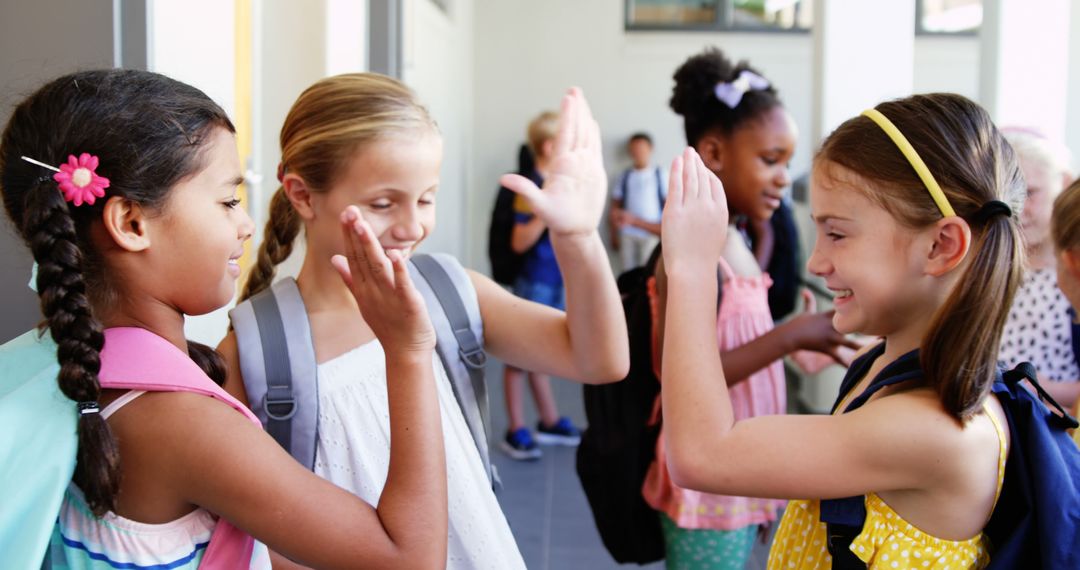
(519, 445)
(562, 433)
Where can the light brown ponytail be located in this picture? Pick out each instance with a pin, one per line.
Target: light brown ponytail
(974, 165)
(282, 227)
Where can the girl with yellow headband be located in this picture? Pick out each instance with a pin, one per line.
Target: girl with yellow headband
(916, 236)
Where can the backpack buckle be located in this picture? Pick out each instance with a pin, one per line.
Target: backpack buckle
(475, 358)
(280, 409)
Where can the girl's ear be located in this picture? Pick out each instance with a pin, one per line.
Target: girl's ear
(299, 195)
(951, 242)
(1071, 259)
(711, 148)
(126, 223)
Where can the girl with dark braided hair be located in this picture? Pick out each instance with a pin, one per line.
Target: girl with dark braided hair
(142, 227)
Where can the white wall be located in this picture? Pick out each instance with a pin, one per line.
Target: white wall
(1024, 67)
(944, 63)
(346, 49)
(848, 76)
(526, 52)
(207, 62)
(1072, 110)
(36, 46)
(438, 65)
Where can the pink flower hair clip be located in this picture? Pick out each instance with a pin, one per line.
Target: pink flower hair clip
(77, 178)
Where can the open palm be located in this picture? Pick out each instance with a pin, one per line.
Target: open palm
(694, 226)
(574, 192)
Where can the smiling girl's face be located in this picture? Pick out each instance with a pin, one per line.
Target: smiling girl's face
(393, 181)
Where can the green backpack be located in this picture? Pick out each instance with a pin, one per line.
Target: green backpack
(38, 443)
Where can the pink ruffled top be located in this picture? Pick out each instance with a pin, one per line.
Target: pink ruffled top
(743, 316)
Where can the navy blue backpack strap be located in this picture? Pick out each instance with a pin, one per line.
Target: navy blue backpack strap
(844, 518)
(858, 370)
(624, 185)
(1026, 371)
(660, 186)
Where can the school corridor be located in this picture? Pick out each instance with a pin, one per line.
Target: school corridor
(543, 500)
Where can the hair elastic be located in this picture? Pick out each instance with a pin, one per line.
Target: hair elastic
(991, 209)
(913, 157)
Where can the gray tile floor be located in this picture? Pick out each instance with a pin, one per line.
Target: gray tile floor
(543, 500)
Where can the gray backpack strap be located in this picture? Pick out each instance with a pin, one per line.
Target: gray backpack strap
(455, 315)
(279, 367)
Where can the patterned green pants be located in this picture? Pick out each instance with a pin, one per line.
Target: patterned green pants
(706, 549)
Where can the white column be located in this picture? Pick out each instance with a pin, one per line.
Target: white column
(1025, 48)
(346, 36)
(864, 53)
(1072, 105)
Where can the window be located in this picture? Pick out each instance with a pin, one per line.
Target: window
(949, 17)
(734, 15)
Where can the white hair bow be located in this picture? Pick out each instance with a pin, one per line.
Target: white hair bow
(731, 92)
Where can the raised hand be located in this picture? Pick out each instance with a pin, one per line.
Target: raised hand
(380, 282)
(575, 190)
(694, 227)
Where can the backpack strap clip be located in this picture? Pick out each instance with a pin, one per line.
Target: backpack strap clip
(473, 357)
(277, 407)
(1026, 371)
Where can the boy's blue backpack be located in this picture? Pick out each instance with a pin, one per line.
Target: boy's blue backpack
(277, 357)
(1036, 522)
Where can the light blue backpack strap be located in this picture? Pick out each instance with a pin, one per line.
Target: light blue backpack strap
(38, 443)
(277, 360)
(455, 315)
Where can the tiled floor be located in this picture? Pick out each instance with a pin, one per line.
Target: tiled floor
(543, 500)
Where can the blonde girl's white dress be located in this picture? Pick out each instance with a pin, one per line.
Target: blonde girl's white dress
(353, 451)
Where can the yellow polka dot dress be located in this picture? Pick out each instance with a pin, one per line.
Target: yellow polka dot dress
(886, 541)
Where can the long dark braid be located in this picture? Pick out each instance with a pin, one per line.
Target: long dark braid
(78, 335)
(148, 132)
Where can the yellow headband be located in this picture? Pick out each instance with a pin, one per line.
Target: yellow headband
(913, 157)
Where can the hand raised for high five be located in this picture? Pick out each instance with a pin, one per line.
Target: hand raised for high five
(380, 282)
(575, 189)
(694, 226)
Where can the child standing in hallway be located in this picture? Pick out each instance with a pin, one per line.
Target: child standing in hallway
(540, 281)
(365, 139)
(735, 120)
(141, 227)
(636, 204)
(913, 203)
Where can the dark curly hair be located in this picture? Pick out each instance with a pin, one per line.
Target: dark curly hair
(694, 95)
(149, 132)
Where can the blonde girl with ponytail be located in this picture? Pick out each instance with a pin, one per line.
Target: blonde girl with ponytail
(366, 140)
